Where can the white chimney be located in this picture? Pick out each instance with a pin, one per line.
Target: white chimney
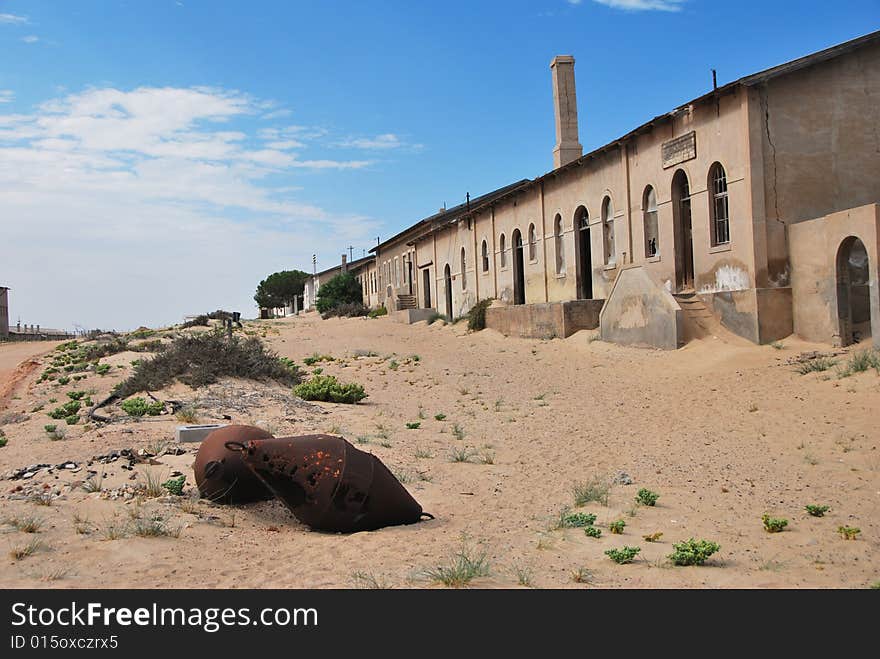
(567, 148)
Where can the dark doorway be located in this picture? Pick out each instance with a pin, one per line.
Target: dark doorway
(584, 254)
(519, 273)
(853, 292)
(684, 240)
(447, 280)
(426, 280)
(409, 275)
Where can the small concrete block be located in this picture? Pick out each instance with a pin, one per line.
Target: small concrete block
(196, 433)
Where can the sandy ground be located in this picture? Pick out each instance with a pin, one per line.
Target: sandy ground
(724, 433)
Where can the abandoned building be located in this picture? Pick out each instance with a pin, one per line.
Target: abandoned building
(753, 207)
(4, 312)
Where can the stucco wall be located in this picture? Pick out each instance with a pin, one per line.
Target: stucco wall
(4, 313)
(813, 246)
(545, 320)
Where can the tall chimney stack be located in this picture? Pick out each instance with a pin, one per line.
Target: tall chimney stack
(344, 267)
(567, 148)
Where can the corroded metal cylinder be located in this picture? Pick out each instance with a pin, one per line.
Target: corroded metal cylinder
(329, 484)
(221, 474)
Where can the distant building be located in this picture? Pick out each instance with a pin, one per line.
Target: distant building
(357, 268)
(4, 312)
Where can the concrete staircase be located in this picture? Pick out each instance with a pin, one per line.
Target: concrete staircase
(406, 302)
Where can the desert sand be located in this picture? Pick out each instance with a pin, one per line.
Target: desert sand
(723, 432)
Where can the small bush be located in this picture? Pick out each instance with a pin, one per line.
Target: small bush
(347, 310)
(462, 569)
(815, 365)
(315, 358)
(198, 321)
(327, 388)
(203, 359)
(71, 420)
(773, 524)
(187, 415)
(175, 485)
(3, 440)
(593, 532)
(50, 427)
(101, 369)
(76, 395)
(848, 532)
(139, 407)
(693, 552)
(477, 315)
(378, 311)
(63, 380)
(440, 416)
(461, 454)
(68, 409)
(414, 425)
(617, 526)
(578, 520)
(623, 555)
(816, 510)
(653, 537)
(646, 497)
(592, 490)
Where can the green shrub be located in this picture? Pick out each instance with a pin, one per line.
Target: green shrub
(617, 526)
(378, 311)
(315, 358)
(593, 532)
(623, 555)
(290, 365)
(346, 310)
(646, 497)
(328, 388)
(477, 315)
(139, 407)
(71, 420)
(773, 524)
(102, 369)
(439, 416)
(203, 359)
(693, 552)
(413, 425)
(175, 485)
(594, 489)
(3, 440)
(816, 365)
(66, 410)
(50, 427)
(816, 510)
(76, 395)
(63, 380)
(578, 520)
(341, 289)
(848, 532)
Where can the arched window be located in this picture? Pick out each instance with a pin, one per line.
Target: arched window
(485, 257)
(560, 248)
(502, 245)
(652, 235)
(608, 231)
(463, 270)
(533, 243)
(719, 209)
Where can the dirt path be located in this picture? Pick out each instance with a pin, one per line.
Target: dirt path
(15, 358)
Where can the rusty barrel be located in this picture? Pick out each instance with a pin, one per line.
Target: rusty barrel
(329, 484)
(221, 475)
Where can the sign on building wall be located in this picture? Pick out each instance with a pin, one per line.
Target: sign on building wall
(681, 149)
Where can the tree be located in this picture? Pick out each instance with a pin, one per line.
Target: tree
(279, 288)
(342, 289)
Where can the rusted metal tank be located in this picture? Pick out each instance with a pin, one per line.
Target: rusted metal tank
(221, 474)
(329, 484)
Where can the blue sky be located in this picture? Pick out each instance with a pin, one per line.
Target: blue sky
(158, 158)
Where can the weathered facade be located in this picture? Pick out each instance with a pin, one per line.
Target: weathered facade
(756, 203)
(4, 312)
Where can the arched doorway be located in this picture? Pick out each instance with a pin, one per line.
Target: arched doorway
(447, 280)
(684, 240)
(583, 254)
(853, 292)
(519, 273)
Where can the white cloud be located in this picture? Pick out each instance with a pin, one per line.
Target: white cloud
(13, 19)
(639, 5)
(386, 141)
(123, 208)
(30, 39)
(7, 96)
